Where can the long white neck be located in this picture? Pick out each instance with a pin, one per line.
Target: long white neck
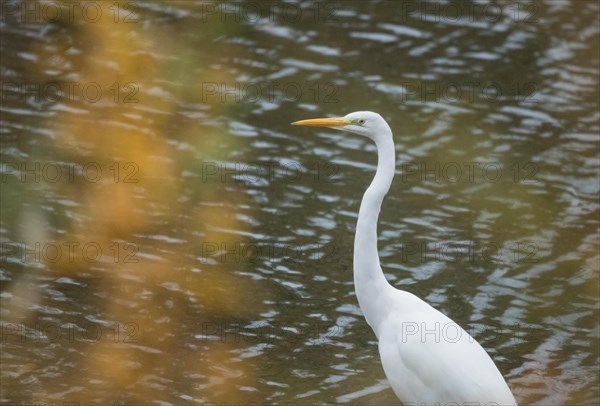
(372, 289)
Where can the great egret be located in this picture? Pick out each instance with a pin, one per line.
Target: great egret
(427, 357)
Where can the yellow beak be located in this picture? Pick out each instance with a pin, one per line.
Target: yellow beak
(323, 122)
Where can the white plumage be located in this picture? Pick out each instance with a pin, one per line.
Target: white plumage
(427, 358)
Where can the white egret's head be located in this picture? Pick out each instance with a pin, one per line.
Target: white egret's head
(366, 123)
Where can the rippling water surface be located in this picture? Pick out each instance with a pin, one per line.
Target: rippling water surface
(169, 238)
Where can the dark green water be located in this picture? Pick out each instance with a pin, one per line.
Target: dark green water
(169, 238)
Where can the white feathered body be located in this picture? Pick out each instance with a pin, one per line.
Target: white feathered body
(430, 360)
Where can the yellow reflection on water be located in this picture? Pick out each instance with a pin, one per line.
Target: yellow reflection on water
(123, 141)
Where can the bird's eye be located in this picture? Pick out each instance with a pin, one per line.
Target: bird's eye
(361, 122)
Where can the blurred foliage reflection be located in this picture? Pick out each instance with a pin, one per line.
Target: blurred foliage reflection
(108, 200)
